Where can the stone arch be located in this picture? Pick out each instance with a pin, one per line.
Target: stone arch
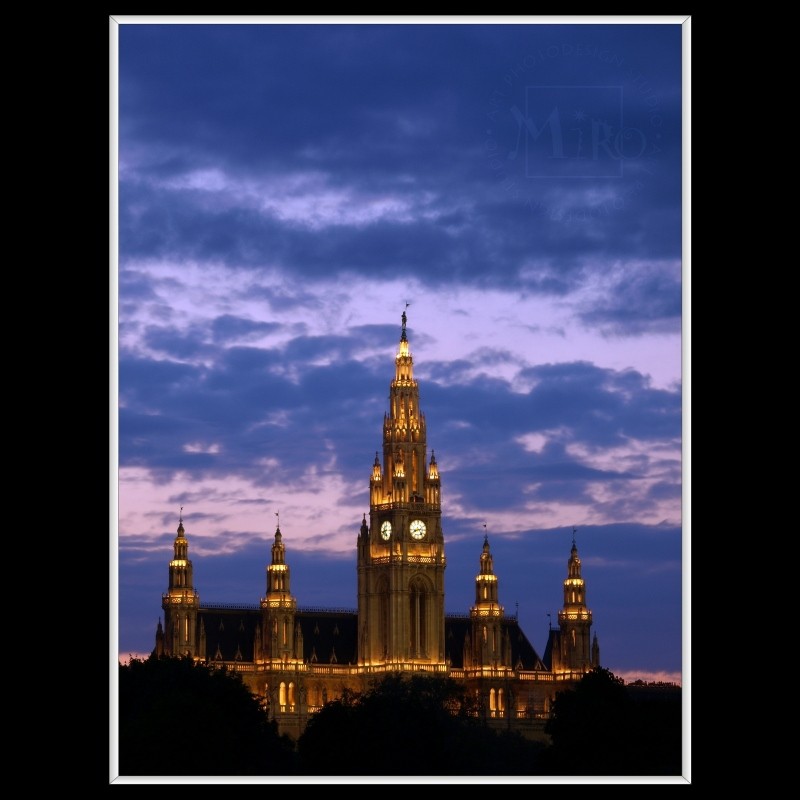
(420, 608)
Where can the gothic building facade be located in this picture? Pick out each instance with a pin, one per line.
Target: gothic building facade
(297, 659)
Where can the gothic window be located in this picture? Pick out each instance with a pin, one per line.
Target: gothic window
(282, 695)
(418, 616)
(291, 695)
(383, 638)
(492, 706)
(501, 700)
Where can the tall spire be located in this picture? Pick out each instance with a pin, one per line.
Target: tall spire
(487, 615)
(278, 566)
(180, 568)
(278, 638)
(486, 581)
(574, 620)
(400, 607)
(180, 603)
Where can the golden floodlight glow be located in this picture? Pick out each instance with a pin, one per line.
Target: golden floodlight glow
(400, 624)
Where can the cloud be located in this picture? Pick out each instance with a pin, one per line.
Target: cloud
(638, 298)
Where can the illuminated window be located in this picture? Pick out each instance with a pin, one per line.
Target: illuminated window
(501, 701)
(419, 609)
(282, 694)
(291, 695)
(492, 706)
(383, 593)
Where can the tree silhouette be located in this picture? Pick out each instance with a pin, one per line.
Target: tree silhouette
(598, 728)
(410, 725)
(177, 717)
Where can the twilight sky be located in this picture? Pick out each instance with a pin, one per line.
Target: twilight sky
(285, 189)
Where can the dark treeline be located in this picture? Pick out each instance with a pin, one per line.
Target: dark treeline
(181, 718)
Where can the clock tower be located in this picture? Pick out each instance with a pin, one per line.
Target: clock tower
(401, 551)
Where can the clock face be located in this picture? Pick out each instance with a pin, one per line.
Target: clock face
(418, 529)
(386, 530)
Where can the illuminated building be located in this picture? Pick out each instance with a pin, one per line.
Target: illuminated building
(298, 659)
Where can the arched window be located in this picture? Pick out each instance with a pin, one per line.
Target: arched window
(282, 696)
(291, 695)
(492, 701)
(383, 634)
(501, 700)
(418, 616)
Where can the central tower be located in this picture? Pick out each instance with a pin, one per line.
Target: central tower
(401, 552)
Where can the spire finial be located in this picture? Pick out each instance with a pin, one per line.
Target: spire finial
(180, 517)
(404, 320)
(485, 536)
(574, 529)
(549, 621)
(278, 515)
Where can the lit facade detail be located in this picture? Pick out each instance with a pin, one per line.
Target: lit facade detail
(180, 634)
(575, 652)
(278, 639)
(488, 646)
(401, 577)
(297, 659)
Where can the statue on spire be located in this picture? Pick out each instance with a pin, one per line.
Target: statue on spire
(404, 318)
